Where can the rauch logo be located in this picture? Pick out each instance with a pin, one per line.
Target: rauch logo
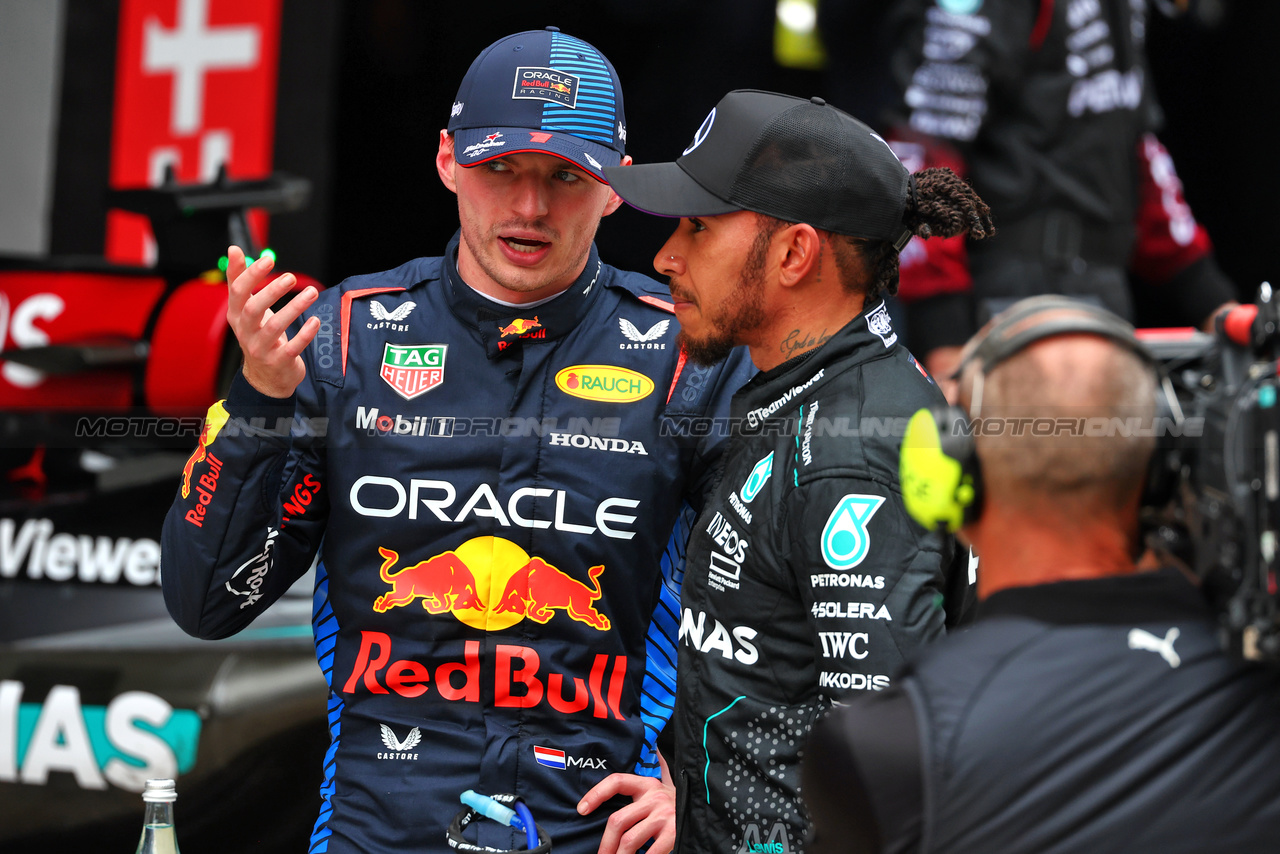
(609, 383)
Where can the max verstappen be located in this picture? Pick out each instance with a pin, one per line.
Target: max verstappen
(807, 582)
(480, 449)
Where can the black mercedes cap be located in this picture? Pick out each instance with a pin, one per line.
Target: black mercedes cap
(797, 159)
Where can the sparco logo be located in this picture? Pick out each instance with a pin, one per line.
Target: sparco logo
(325, 336)
(695, 382)
(247, 580)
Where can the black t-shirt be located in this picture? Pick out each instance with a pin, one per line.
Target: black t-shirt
(1097, 715)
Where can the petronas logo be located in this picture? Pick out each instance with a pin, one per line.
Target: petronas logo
(845, 539)
(757, 479)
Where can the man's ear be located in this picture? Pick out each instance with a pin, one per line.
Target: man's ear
(801, 248)
(445, 161)
(615, 201)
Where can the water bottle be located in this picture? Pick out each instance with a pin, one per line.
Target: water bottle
(158, 836)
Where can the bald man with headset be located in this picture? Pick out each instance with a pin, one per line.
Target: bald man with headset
(1090, 706)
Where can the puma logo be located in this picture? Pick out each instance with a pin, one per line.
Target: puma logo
(1140, 639)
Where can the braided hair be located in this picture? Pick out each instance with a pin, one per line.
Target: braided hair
(940, 204)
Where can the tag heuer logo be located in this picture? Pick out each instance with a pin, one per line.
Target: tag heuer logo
(413, 369)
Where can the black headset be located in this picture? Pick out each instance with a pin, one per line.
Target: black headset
(938, 464)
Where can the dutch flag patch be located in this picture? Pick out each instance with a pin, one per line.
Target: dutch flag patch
(550, 757)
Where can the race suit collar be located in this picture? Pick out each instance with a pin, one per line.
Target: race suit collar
(505, 329)
(1164, 594)
(780, 390)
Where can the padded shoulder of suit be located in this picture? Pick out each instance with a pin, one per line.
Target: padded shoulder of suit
(639, 287)
(333, 309)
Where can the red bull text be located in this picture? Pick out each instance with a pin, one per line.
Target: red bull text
(518, 679)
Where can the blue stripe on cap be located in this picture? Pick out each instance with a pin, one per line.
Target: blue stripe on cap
(596, 114)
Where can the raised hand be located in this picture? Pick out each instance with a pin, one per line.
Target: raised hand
(272, 360)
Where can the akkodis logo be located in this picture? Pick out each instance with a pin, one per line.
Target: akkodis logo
(490, 584)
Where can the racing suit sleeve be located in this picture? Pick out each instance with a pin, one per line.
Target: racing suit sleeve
(869, 578)
(249, 515)
(1171, 250)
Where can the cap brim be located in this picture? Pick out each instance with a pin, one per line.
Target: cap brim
(472, 146)
(666, 190)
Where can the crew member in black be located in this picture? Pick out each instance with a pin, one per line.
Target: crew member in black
(1090, 706)
(1048, 109)
(806, 581)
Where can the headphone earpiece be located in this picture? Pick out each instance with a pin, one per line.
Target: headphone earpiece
(938, 469)
(938, 464)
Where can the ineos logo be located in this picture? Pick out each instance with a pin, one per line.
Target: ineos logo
(702, 131)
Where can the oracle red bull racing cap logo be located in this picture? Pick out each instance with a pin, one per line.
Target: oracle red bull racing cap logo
(546, 84)
(491, 584)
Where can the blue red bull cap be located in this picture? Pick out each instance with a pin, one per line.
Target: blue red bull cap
(541, 91)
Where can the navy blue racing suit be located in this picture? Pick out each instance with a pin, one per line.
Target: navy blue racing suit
(492, 494)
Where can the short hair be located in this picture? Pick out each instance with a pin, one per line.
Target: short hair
(1075, 431)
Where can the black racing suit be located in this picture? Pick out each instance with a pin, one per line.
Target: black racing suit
(1048, 110)
(492, 493)
(1083, 716)
(806, 582)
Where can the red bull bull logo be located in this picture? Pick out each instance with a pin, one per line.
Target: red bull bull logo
(494, 571)
(538, 589)
(442, 583)
(213, 421)
(519, 326)
(519, 680)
